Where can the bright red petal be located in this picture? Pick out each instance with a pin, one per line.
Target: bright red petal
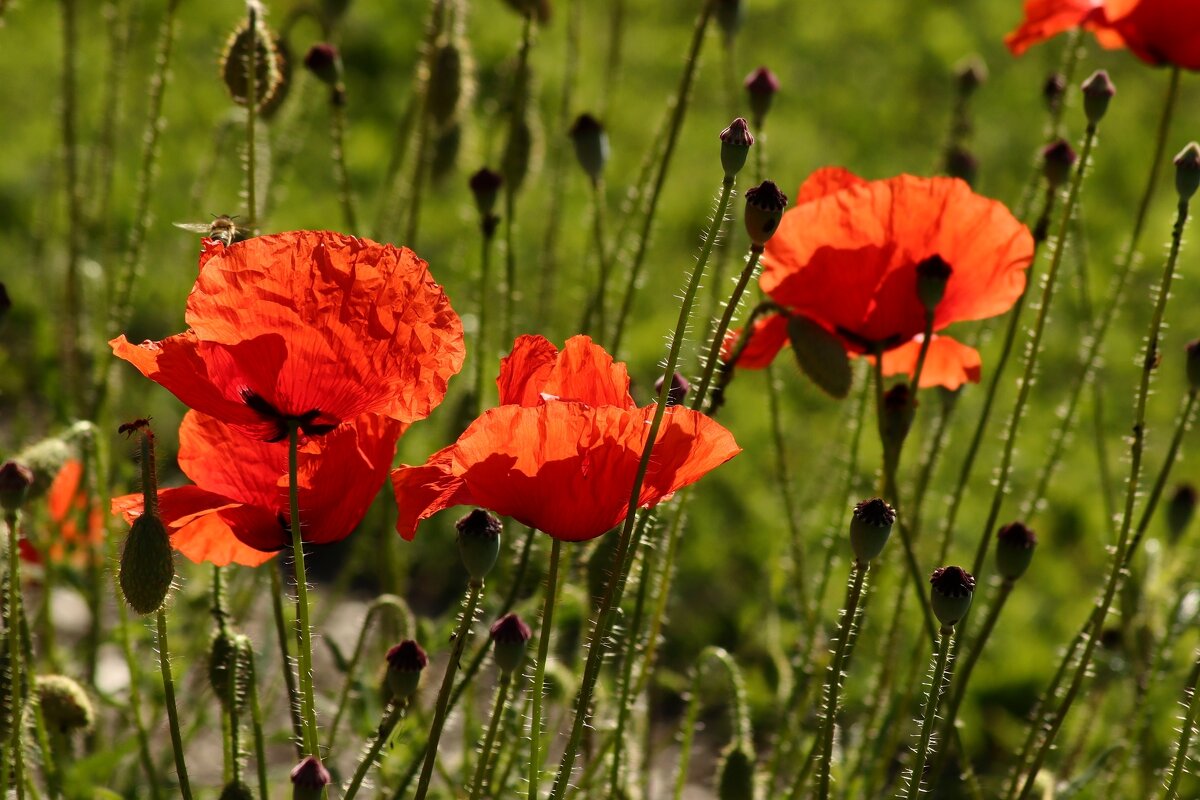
(583, 372)
(769, 337)
(825, 181)
(1045, 19)
(948, 363)
(423, 491)
(1157, 31)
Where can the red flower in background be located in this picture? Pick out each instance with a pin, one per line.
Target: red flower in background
(237, 511)
(561, 452)
(308, 326)
(72, 526)
(846, 257)
(1156, 31)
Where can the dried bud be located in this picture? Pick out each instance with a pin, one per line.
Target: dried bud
(762, 86)
(1181, 508)
(1193, 364)
(735, 775)
(870, 526)
(64, 703)
(1097, 91)
(235, 60)
(591, 145)
(509, 637)
(323, 61)
(729, 17)
(479, 542)
(15, 480)
(236, 790)
(932, 276)
(445, 82)
(1187, 171)
(309, 779)
(1054, 89)
(736, 141)
(678, 391)
(962, 164)
(1014, 550)
(970, 74)
(405, 662)
(951, 595)
(1057, 160)
(485, 186)
(764, 208)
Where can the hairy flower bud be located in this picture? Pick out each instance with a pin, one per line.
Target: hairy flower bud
(147, 564)
(65, 705)
(735, 775)
(236, 59)
(445, 82)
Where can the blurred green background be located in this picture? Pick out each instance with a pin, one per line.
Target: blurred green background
(869, 87)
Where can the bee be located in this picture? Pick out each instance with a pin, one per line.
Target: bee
(130, 428)
(223, 229)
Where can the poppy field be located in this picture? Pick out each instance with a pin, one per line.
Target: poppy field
(714, 400)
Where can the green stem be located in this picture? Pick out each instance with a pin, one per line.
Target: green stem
(256, 717)
(930, 713)
(632, 644)
(479, 785)
(388, 724)
(539, 675)
(485, 300)
(73, 316)
(289, 675)
(1123, 549)
(16, 686)
(49, 756)
(251, 61)
(164, 664)
(235, 724)
(337, 133)
(833, 685)
(598, 303)
(621, 557)
(308, 709)
(377, 606)
(441, 710)
(718, 338)
(1185, 734)
(135, 703)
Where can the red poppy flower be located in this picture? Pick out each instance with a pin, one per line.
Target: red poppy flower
(1156, 31)
(237, 511)
(66, 508)
(846, 257)
(561, 452)
(310, 327)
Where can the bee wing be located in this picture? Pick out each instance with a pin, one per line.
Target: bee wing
(194, 227)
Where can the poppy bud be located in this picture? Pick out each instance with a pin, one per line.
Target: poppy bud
(932, 276)
(1193, 364)
(1181, 508)
(764, 209)
(971, 73)
(5, 301)
(951, 595)
(1187, 171)
(591, 145)
(47, 457)
(266, 65)
(509, 637)
(405, 662)
(736, 141)
(236, 790)
(960, 163)
(147, 564)
(15, 480)
(485, 186)
(445, 82)
(678, 391)
(309, 779)
(64, 703)
(735, 779)
(515, 163)
(729, 17)
(762, 86)
(870, 525)
(1057, 160)
(221, 653)
(1014, 550)
(1054, 89)
(479, 542)
(322, 61)
(1097, 91)
(821, 355)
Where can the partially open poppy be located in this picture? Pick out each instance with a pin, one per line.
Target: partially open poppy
(310, 328)
(561, 452)
(847, 255)
(1156, 31)
(237, 512)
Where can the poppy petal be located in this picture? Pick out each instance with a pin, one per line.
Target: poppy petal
(1045, 19)
(824, 181)
(64, 489)
(583, 371)
(948, 364)
(769, 336)
(423, 491)
(1156, 31)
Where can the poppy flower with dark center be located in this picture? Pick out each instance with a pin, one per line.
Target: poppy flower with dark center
(310, 328)
(238, 510)
(847, 257)
(561, 451)
(1156, 31)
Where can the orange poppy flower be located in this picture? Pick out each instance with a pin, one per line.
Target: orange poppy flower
(561, 451)
(66, 507)
(846, 257)
(310, 327)
(1156, 31)
(237, 512)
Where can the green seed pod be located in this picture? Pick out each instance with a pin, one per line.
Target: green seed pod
(405, 663)
(236, 790)
(479, 542)
(47, 457)
(736, 141)
(510, 636)
(764, 210)
(65, 705)
(267, 76)
(147, 565)
(736, 776)
(445, 82)
(952, 590)
(870, 526)
(1014, 550)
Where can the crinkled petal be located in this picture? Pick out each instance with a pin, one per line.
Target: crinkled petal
(583, 371)
(423, 491)
(825, 181)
